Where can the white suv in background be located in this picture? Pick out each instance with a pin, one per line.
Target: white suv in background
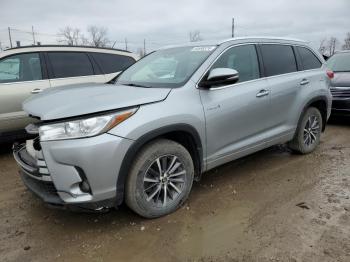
(29, 70)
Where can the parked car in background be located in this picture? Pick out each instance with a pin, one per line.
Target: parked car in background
(30, 70)
(176, 113)
(339, 63)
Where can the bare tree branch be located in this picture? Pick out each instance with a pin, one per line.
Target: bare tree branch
(71, 36)
(98, 36)
(195, 36)
(323, 48)
(332, 45)
(346, 45)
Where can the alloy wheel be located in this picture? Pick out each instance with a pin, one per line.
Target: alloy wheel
(164, 180)
(311, 130)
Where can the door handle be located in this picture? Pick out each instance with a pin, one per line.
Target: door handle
(304, 82)
(262, 93)
(36, 91)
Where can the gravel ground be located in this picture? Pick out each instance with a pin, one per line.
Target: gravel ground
(270, 206)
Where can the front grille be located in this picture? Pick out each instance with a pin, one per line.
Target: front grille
(36, 144)
(339, 93)
(35, 167)
(26, 158)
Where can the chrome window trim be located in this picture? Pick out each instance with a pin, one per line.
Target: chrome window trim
(29, 81)
(260, 78)
(74, 77)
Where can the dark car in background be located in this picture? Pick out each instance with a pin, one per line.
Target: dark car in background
(339, 63)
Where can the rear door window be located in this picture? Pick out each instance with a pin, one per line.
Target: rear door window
(70, 64)
(278, 59)
(308, 58)
(22, 67)
(112, 63)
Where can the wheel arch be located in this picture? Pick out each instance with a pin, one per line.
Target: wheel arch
(321, 103)
(184, 134)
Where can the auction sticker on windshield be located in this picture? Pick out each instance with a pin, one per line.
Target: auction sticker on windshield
(202, 48)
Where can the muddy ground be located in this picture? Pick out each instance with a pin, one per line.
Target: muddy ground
(271, 206)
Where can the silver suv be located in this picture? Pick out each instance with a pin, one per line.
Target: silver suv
(176, 113)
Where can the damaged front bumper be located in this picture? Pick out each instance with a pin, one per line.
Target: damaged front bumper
(34, 173)
(76, 174)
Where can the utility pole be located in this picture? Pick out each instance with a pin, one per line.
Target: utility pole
(33, 35)
(126, 44)
(233, 27)
(10, 36)
(144, 46)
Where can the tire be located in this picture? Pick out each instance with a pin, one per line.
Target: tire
(145, 187)
(308, 133)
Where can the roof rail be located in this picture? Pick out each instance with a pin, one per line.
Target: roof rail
(79, 46)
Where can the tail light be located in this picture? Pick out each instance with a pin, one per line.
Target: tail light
(330, 74)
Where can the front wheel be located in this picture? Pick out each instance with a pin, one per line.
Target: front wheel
(160, 179)
(308, 133)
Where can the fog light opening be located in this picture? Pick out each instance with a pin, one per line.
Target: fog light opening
(84, 184)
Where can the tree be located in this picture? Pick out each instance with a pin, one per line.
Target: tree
(346, 45)
(323, 47)
(98, 36)
(332, 45)
(71, 36)
(195, 36)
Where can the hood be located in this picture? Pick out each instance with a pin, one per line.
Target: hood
(341, 79)
(76, 100)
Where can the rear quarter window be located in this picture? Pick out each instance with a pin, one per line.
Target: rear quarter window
(278, 59)
(308, 58)
(112, 63)
(70, 64)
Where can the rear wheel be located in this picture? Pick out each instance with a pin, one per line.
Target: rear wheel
(308, 133)
(160, 179)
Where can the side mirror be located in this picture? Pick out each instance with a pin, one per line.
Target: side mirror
(220, 76)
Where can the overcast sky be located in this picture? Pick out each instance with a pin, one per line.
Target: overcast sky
(163, 22)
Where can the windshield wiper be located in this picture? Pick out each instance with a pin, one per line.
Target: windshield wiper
(137, 85)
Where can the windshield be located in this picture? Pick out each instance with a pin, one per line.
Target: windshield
(166, 68)
(339, 62)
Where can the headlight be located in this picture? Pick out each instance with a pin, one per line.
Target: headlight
(87, 127)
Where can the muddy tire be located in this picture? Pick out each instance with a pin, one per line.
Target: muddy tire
(160, 179)
(308, 133)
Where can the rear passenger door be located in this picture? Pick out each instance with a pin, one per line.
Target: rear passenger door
(284, 81)
(112, 64)
(310, 66)
(67, 68)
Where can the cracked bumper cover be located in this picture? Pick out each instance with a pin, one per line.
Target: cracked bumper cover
(99, 158)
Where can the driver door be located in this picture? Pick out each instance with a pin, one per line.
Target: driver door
(236, 114)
